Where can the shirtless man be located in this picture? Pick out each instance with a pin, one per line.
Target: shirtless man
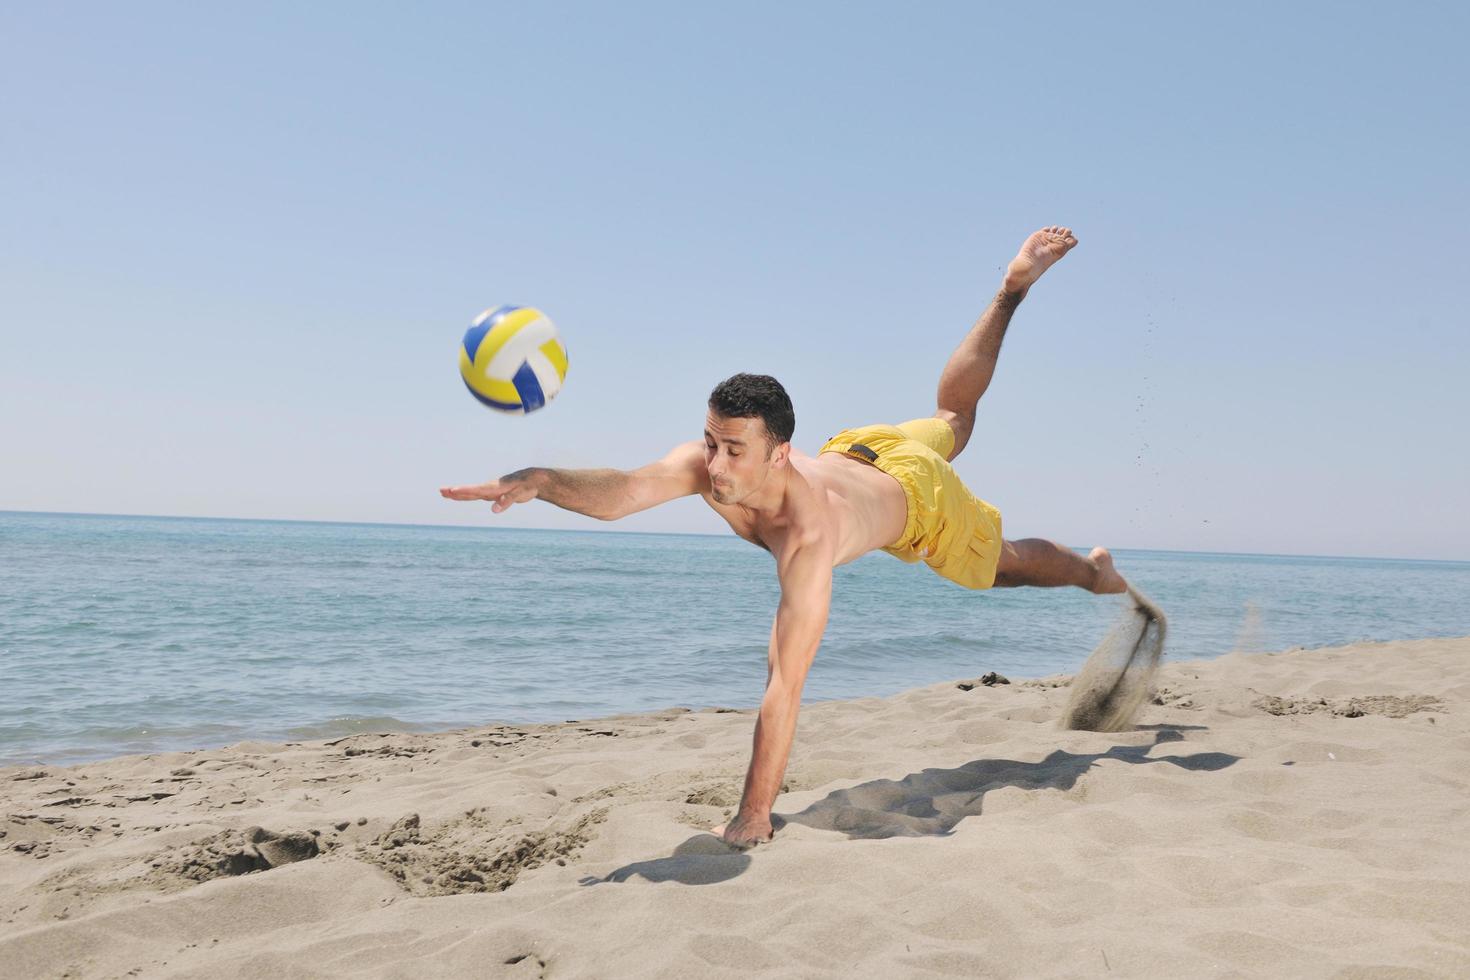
(875, 487)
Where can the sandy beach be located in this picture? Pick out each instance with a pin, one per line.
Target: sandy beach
(1302, 813)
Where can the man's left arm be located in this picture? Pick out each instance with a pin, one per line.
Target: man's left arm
(801, 618)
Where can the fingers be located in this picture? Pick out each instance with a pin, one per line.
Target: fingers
(738, 845)
(743, 844)
(480, 492)
(473, 491)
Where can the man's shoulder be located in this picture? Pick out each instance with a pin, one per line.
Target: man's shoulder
(687, 455)
(685, 464)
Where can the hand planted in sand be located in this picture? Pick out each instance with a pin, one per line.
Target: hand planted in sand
(743, 832)
(517, 488)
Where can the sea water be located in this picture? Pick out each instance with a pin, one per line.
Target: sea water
(138, 634)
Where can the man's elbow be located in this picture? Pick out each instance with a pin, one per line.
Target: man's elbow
(616, 510)
(613, 509)
(782, 694)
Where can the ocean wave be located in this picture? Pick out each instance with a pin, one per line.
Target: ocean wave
(353, 725)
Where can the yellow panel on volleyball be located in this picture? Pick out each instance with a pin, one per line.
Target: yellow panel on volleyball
(557, 355)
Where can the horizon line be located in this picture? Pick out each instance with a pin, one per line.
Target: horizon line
(676, 534)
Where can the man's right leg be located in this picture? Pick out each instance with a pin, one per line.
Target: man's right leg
(971, 366)
(1033, 561)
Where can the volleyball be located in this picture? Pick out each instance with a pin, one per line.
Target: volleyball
(512, 359)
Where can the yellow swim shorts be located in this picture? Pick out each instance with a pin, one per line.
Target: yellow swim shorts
(954, 532)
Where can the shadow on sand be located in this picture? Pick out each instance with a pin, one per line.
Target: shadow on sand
(921, 804)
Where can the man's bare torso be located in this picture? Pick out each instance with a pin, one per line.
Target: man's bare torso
(832, 499)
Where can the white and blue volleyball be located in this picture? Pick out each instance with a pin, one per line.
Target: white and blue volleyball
(512, 359)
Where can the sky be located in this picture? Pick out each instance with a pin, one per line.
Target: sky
(240, 245)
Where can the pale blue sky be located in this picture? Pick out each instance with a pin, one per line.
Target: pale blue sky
(240, 246)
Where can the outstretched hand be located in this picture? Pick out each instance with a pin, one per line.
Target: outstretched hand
(517, 488)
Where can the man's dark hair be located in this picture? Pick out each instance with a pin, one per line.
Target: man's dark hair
(761, 396)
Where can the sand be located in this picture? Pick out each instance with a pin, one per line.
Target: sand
(1295, 814)
(1118, 677)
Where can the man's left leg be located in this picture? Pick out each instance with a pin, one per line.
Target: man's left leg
(966, 376)
(1036, 562)
(969, 369)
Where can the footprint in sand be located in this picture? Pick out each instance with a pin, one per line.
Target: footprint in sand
(470, 854)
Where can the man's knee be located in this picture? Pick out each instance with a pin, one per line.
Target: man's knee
(961, 425)
(1004, 580)
(1007, 566)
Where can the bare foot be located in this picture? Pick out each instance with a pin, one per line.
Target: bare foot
(1036, 256)
(1108, 579)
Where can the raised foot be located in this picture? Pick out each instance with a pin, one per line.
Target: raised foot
(1036, 256)
(1108, 580)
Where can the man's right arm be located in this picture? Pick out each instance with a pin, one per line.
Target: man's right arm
(604, 494)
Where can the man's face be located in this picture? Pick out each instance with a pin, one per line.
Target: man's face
(737, 457)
